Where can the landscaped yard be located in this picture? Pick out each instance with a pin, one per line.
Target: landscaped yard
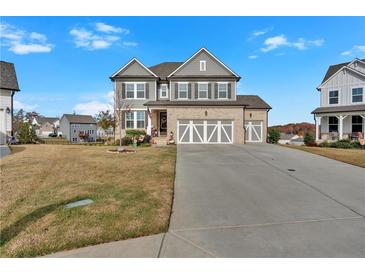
(132, 193)
(352, 156)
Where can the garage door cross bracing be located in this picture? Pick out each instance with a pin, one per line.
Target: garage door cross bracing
(205, 131)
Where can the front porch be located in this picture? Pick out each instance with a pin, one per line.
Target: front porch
(337, 126)
(157, 122)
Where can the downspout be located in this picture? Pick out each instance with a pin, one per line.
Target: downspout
(267, 123)
(12, 113)
(244, 128)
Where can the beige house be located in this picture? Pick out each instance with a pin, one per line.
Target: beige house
(196, 101)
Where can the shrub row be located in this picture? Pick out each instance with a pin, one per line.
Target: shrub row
(342, 144)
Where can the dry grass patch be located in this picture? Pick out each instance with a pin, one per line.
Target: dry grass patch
(132, 194)
(351, 156)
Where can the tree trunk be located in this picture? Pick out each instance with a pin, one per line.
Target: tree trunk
(120, 128)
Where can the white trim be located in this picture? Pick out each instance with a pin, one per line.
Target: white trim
(351, 96)
(135, 90)
(341, 69)
(135, 120)
(338, 97)
(203, 65)
(202, 49)
(187, 91)
(160, 90)
(251, 130)
(222, 83)
(134, 59)
(203, 83)
(356, 60)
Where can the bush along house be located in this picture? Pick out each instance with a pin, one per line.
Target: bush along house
(341, 114)
(78, 128)
(195, 101)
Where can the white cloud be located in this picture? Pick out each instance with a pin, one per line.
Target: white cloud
(357, 49)
(19, 105)
(252, 57)
(101, 37)
(92, 107)
(102, 27)
(261, 32)
(279, 41)
(275, 42)
(22, 42)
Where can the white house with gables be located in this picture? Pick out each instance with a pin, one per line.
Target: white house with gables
(341, 114)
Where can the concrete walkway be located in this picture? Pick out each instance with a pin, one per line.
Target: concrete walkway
(4, 151)
(255, 201)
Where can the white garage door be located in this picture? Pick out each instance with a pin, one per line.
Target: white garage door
(254, 131)
(205, 131)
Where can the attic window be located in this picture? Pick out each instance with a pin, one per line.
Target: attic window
(203, 65)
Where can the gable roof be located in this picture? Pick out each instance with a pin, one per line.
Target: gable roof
(43, 120)
(162, 70)
(209, 53)
(335, 68)
(8, 78)
(130, 62)
(79, 119)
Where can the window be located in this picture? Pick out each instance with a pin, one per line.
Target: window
(222, 91)
(140, 119)
(163, 91)
(332, 124)
(357, 95)
(183, 90)
(333, 97)
(135, 119)
(129, 90)
(140, 90)
(203, 65)
(356, 123)
(129, 120)
(135, 90)
(203, 90)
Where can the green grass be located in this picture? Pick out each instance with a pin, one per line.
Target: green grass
(132, 194)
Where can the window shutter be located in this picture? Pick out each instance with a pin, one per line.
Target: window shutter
(229, 91)
(176, 91)
(147, 87)
(189, 91)
(145, 119)
(123, 119)
(216, 90)
(196, 91)
(209, 90)
(123, 90)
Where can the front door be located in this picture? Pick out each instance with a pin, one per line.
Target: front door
(163, 123)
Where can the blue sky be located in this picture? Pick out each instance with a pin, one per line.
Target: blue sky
(64, 63)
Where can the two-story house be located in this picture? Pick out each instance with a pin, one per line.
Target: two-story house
(195, 100)
(46, 125)
(78, 128)
(341, 114)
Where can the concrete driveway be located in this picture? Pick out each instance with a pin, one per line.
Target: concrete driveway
(264, 201)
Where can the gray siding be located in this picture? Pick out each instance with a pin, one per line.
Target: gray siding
(65, 128)
(343, 82)
(194, 90)
(134, 69)
(138, 103)
(70, 131)
(213, 67)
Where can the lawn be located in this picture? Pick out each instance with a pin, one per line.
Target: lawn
(351, 156)
(132, 193)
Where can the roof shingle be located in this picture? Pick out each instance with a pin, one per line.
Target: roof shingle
(339, 109)
(8, 78)
(334, 68)
(164, 69)
(80, 119)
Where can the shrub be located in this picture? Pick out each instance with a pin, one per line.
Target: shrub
(135, 133)
(126, 141)
(309, 140)
(273, 136)
(325, 144)
(342, 144)
(145, 145)
(27, 134)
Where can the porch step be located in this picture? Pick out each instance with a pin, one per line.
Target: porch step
(159, 141)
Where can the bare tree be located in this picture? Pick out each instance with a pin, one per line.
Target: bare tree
(119, 106)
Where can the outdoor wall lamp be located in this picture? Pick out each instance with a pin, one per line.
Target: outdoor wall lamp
(7, 110)
(206, 113)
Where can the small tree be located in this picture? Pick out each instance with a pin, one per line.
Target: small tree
(27, 134)
(18, 121)
(274, 136)
(309, 140)
(118, 109)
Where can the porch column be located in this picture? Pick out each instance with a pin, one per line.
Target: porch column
(363, 124)
(340, 120)
(149, 122)
(318, 124)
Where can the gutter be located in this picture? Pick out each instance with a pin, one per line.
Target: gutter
(244, 128)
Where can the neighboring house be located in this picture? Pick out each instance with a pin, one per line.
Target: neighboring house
(105, 133)
(196, 100)
(78, 128)
(341, 114)
(46, 125)
(8, 87)
(287, 138)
